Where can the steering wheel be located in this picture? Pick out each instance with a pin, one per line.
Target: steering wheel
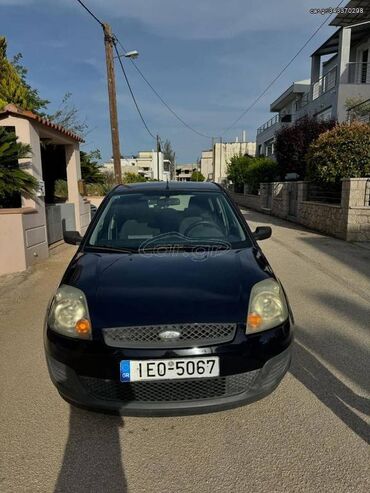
(202, 222)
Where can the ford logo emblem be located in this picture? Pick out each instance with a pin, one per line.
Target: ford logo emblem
(169, 335)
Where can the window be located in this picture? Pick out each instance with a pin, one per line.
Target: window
(324, 115)
(173, 218)
(365, 66)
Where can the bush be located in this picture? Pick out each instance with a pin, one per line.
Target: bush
(293, 142)
(90, 169)
(343, 152)
(61, 189)
(101, 189)
(251, 171)
(237, 171)
(260, 170)
(132, 178)
(197, 176)
(13, 180)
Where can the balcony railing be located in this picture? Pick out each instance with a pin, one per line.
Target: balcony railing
(270, 123)
(324, 84)
(358, 73)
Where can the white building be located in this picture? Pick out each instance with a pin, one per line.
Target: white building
(150, 164)
(340, 71)
(206, 164)
(184, 171)
(214, 162)
(285, 107)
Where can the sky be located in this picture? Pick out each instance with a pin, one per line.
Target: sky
(209, 59)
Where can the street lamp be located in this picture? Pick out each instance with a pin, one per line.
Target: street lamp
(132, 54)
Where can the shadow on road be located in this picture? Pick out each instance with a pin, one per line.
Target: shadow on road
(92, 459)
(348, 254)
(337, 396)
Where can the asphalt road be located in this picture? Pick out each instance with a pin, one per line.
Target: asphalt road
(311, 435)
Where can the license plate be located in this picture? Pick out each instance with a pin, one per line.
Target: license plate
(168, 369)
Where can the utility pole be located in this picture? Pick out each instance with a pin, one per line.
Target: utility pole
(108, 42)
(158, 147)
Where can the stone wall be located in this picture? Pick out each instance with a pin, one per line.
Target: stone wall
(326, 218)
(349, 220)
(247, 200)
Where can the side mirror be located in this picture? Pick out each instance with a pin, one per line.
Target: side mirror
(72, 237)
(262, 233)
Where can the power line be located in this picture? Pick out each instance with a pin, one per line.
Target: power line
(89, 11)
(131, 91)
(279, 74)
(162, 100)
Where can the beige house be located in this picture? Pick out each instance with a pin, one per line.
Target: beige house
(28, 230)
(184, 171)
(214, 162)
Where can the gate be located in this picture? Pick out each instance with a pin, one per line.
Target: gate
(59, 218)
(266, 192)
(292, 199)
(54, 223)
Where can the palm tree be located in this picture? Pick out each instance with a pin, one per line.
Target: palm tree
(13, 180)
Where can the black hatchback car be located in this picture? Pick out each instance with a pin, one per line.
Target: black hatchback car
(168, 307)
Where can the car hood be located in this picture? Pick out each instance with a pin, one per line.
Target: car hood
(139, 289)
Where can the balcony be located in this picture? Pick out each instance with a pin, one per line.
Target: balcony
(324, 84)
(275, 119)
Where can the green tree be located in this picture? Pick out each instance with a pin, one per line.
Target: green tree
(90, 168)
(132, 178)
(169, 153)
(343, 152)
(260, 170)
(197, 176)
(13, 86)
(15, 89)
(237, 170)
(67, 115)
(292, 143)
(13, 180)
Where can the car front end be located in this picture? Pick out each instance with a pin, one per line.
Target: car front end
(167, 332)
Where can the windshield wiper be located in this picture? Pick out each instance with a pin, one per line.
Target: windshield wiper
(182, 247)
(107, 248)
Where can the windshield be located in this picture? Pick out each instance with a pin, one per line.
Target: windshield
(133, 221)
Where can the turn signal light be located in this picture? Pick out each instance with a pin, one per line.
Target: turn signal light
(254, 320)
(83, 327)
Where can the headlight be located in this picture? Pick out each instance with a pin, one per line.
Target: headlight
(267, 306)
(69, 314)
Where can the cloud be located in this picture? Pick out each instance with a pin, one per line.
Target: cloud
(198, 19)
(211, 19)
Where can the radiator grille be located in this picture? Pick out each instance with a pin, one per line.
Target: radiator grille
(170, 390)
(184, 335)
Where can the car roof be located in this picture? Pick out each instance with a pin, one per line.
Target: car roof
(163, 186)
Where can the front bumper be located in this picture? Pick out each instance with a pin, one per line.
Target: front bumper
(87, 375)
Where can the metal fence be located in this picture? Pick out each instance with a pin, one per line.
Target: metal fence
(367, 194)
(359, 112)
(328, 194)
(324, 84)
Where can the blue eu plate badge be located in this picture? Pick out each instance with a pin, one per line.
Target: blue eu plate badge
(124, 370)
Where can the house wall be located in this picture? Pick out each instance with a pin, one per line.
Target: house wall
(33, 225)
(206, 164)
(23, 231)
(223, 152)
(12, 252)
(346, 91)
